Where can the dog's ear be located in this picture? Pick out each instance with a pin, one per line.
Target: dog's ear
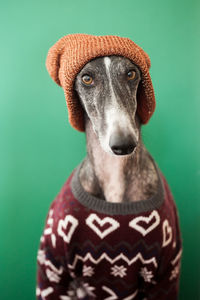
(53, 59)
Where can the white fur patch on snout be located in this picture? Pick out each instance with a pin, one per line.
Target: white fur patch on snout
(117, 118)
(118, 121)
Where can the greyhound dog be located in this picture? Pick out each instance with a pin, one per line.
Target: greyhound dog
(107, 89)
(112, 232)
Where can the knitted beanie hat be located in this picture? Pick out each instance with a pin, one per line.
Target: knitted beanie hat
(68, 56)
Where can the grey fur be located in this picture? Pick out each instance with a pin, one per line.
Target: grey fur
(114, 178)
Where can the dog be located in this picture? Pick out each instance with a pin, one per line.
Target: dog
(113, 231)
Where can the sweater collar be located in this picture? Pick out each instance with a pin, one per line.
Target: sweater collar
(111, 208)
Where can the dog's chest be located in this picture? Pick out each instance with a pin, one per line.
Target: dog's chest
(105, 248)
(109, 249)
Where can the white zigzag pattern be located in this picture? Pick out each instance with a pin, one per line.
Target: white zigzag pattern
(113, 296)
(112, 261)
(44, 293)
(178, 256)
(132, 296)
(42, 260)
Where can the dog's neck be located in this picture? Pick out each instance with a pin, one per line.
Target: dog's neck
(117, 178)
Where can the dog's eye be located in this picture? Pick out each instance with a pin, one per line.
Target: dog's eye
(131, 75)
(87, 79)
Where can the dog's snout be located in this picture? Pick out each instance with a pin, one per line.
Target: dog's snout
(121, 145)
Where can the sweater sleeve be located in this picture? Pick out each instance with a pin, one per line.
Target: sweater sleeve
(53, 278)
(166, 285)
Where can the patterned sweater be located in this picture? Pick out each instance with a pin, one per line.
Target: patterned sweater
(93, 249)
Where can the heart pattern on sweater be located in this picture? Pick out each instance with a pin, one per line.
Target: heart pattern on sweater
(70, 222)
(110, 224)
(167, 233)
(153, 220)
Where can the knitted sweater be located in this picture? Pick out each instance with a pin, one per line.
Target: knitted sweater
(93, 249)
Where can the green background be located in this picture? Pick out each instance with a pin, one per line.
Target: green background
(39, 149)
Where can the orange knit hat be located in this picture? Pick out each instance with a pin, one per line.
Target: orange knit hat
(68, 56)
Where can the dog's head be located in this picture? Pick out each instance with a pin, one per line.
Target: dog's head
(107, 89)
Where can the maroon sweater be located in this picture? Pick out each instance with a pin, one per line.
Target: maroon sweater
(93, 249)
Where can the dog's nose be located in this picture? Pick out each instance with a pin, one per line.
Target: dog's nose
(121, 145)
